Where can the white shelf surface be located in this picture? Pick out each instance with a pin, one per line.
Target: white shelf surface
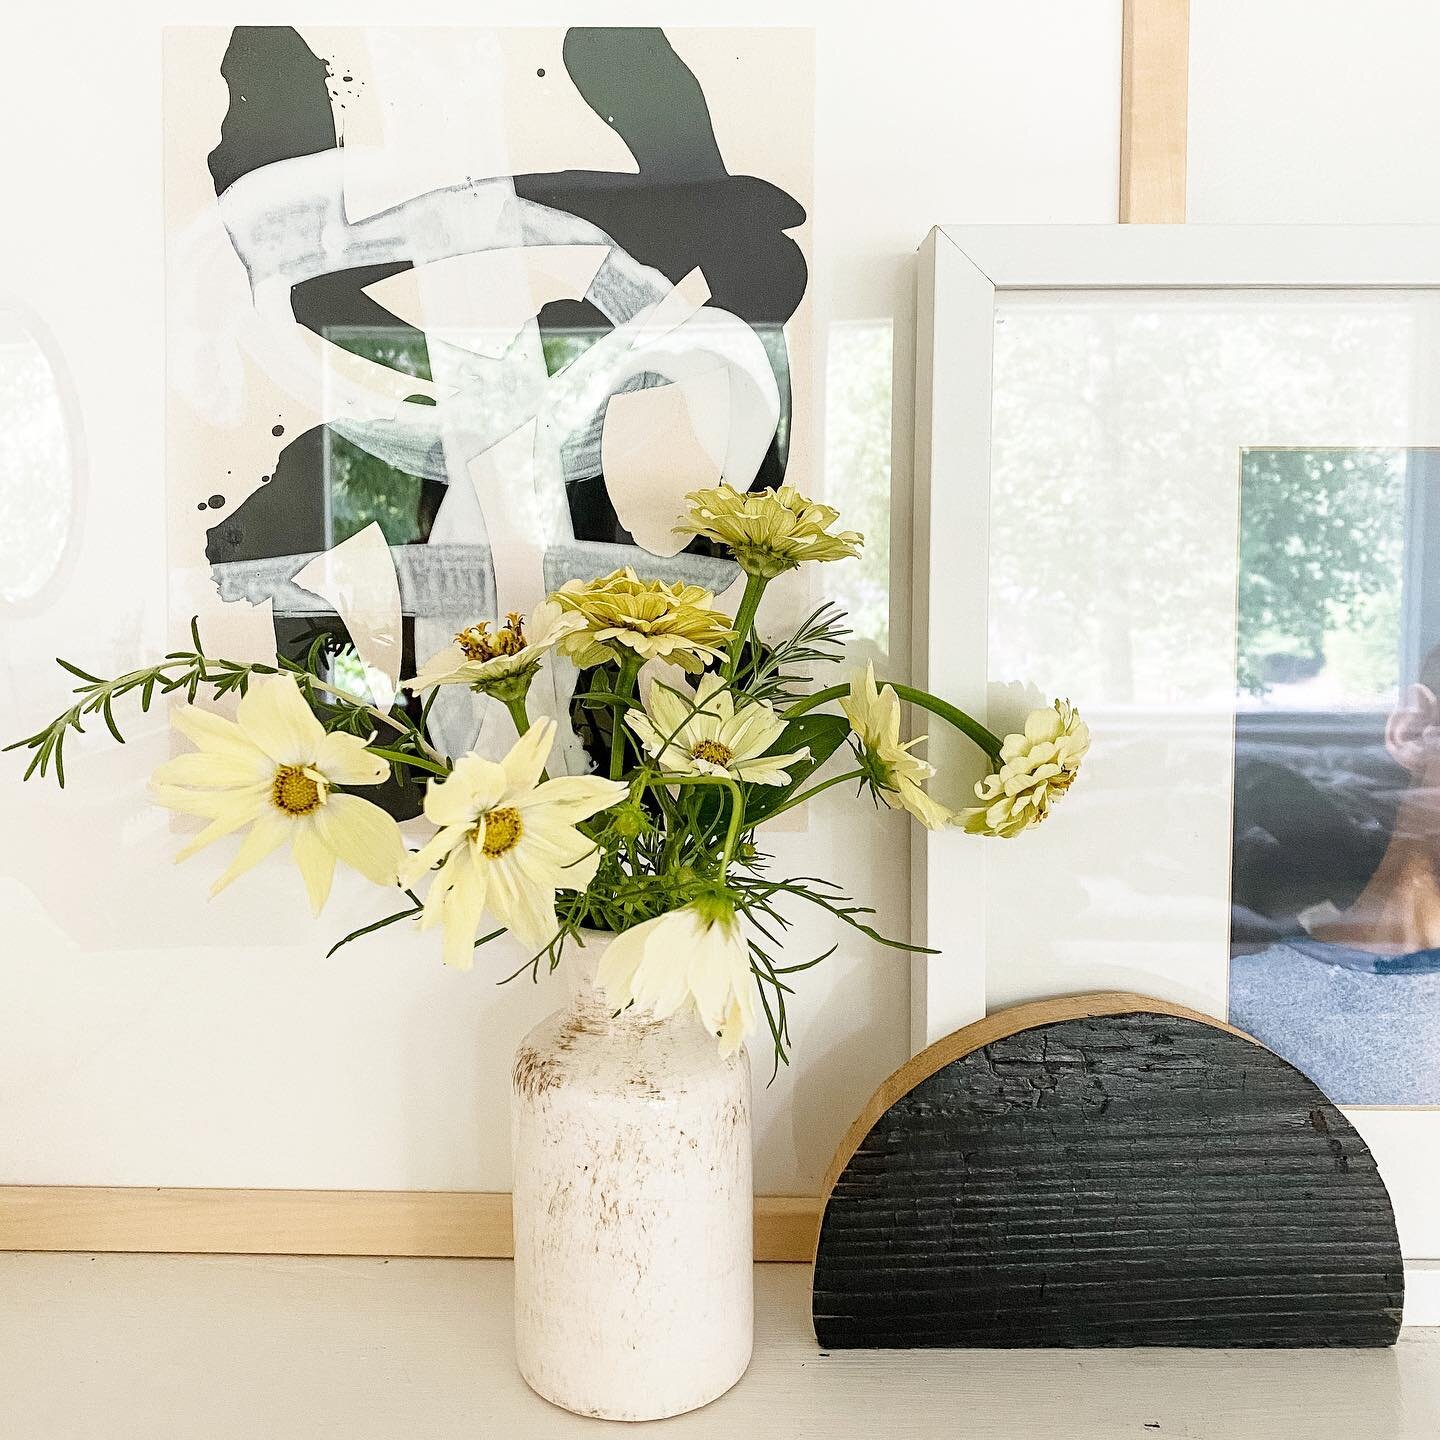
(159, 1347)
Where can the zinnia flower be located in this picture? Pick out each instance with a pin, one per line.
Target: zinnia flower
(696, 955)
(768, 531)
(627, 617)
(502, 661)
(891, 771)
(275, 769)
(707, 735)
(506, 844)
(1036, 768)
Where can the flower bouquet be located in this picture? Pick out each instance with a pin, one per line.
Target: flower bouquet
(651, 867)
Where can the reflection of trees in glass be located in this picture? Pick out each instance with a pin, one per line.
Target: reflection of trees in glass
(1113, 492)
(857, 469)
(364, 489)
(1321, 548)
(35, 500)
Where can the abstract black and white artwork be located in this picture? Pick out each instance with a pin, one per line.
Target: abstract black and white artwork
(457, 314)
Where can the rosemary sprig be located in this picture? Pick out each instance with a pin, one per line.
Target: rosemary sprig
(189, 670)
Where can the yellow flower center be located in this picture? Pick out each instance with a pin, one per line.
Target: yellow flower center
(294, 792)
(503, 829)
(479, 644)
(713, 752)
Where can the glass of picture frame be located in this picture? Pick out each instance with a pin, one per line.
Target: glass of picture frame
(1189, 476)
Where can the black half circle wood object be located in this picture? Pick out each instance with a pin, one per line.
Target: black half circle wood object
(1104, 1170)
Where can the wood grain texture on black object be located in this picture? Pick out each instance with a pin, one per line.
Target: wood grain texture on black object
(1104, 1170)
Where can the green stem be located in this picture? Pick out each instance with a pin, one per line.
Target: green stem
(737, 807)
(516, 707)
(813, 791)
(417, 762)
(815, 701)
(967, 725)
(744, 622)
(624, 688)
(385, 719)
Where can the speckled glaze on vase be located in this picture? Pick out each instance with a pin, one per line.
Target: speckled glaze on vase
(633, 1208)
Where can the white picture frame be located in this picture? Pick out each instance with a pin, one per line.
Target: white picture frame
(968, 276)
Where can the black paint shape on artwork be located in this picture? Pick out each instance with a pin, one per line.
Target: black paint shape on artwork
(682, 210)
(290, 514)
(279, 104)
(1099, 1171)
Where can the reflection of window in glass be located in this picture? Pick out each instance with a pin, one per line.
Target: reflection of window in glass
(858, 372)
(1333, 545)
(36, 464)
(360, 489)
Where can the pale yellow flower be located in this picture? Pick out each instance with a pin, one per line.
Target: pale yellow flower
(705, 734)
(768, 531)
(630, 618)
(696, 955)
(1036, 768)
(494, 660)
(891, 771)
(506, 843)
(274, 769)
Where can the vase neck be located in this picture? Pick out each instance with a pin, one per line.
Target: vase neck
(580, 964)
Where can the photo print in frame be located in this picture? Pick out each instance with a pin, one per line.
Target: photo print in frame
(1335, 913)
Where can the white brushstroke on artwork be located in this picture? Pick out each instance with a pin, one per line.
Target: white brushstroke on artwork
(653, 457)
(357, 579)
(509, 287)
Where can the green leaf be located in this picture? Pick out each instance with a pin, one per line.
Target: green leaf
(823, 735)
(398, 757)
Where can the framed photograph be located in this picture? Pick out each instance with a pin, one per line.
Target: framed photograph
(1191, 477)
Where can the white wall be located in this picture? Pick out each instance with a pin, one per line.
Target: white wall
(147, 1037)
(1314, 111)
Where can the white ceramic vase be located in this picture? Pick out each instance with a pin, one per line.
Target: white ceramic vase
(633, 1208)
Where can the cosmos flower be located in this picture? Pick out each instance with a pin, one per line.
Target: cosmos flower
(891, 771)
(275, 769)
(506, 843)
(696, 956)
(706, 735)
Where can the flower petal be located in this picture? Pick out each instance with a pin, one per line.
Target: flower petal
(316, 861)
(527, 756)
(268, 833)
(615, 974)
(275, 717)
(472, 787)
(442, 843)
(363, 836)
(463, 909)
(573, 797)
(241, 810)
(344, 760)
(217, 770)
(523, 904)
(214, 733)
